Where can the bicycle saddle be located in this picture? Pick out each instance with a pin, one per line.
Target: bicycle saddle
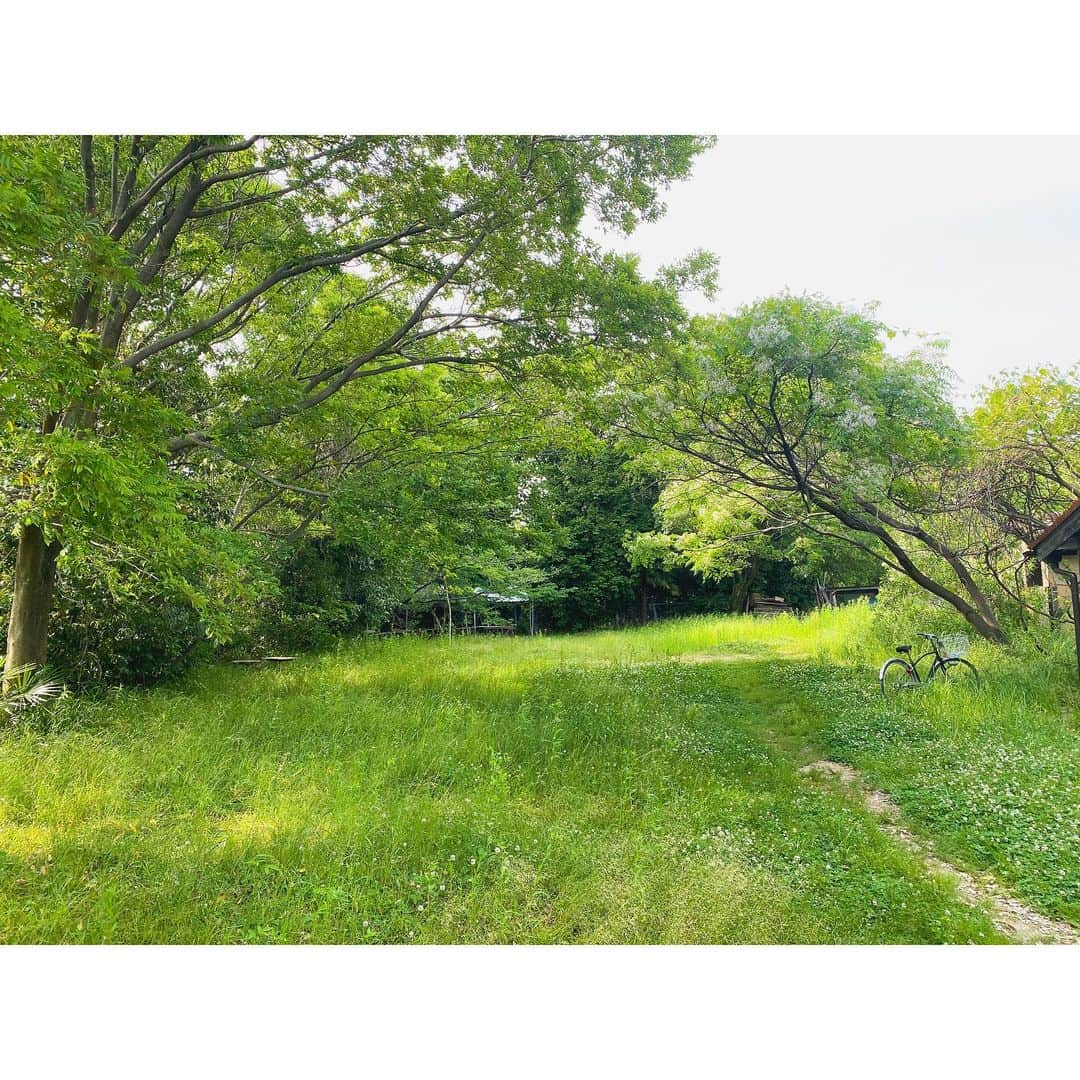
(903, 648)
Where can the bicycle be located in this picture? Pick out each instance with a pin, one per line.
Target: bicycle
(947, 650)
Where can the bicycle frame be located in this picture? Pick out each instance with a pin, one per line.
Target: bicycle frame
(912, 665)
(940, 662)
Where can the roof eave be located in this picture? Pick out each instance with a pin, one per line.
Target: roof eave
(1065, 525)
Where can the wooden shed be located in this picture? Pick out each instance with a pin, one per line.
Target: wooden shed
(1057, 547)
(845, 594)
(769, 605)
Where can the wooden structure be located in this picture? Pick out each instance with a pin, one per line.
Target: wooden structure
(515, 606)
(768, 605)
(845, 594)
(474, 611)
(1057, 547)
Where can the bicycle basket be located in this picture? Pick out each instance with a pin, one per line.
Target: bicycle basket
(954, 646)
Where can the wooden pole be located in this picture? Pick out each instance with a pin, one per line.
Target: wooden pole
(1074, 590)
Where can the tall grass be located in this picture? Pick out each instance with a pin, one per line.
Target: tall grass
(602, 787)
(991, 773)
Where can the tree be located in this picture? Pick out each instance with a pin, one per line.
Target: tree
(1026, 429)
(723, 536)
(794, 405)
(178, 310)
(586, 506)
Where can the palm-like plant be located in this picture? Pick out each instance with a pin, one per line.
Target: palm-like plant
(26, 688)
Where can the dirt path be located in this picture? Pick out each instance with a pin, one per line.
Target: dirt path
(1011, 916)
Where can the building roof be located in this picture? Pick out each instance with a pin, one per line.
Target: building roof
(1064, 527)
(498, 598)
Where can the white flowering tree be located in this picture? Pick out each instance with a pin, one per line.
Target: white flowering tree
(794, 406)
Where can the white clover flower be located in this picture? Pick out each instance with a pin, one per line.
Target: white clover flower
(498, 850)
(472, 862)
(453, 857)
(419, 907)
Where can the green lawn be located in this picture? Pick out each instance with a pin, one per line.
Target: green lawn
(611, 787)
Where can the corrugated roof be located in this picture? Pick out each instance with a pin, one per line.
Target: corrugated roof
(1056, 524)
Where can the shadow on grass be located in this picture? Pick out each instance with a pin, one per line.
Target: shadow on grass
(457, 801)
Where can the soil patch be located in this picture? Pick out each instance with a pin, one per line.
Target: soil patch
(1010, 915)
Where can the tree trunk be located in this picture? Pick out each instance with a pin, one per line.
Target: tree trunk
(980, 616)
(742, 586)
(31, 602)
(987, 623)
(987, 628)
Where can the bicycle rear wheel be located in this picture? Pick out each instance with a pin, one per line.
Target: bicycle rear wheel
(955, 669)
(896, 675)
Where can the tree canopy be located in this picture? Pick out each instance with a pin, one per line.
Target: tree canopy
(794, 407)
(208, 334)
(276, 386)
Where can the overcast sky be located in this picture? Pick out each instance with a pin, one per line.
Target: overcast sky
(974, 238)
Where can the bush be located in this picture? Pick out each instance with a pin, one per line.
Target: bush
(131, 636)
(136, 639)
(324, 590)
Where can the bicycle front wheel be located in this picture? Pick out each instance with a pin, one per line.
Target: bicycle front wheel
(897, 674)
(955, 669)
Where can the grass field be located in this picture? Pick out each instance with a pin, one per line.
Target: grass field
(639, 786)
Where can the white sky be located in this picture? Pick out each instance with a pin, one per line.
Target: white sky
(971, 237)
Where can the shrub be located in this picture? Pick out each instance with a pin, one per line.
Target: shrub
(134, 639)
(324, 590)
